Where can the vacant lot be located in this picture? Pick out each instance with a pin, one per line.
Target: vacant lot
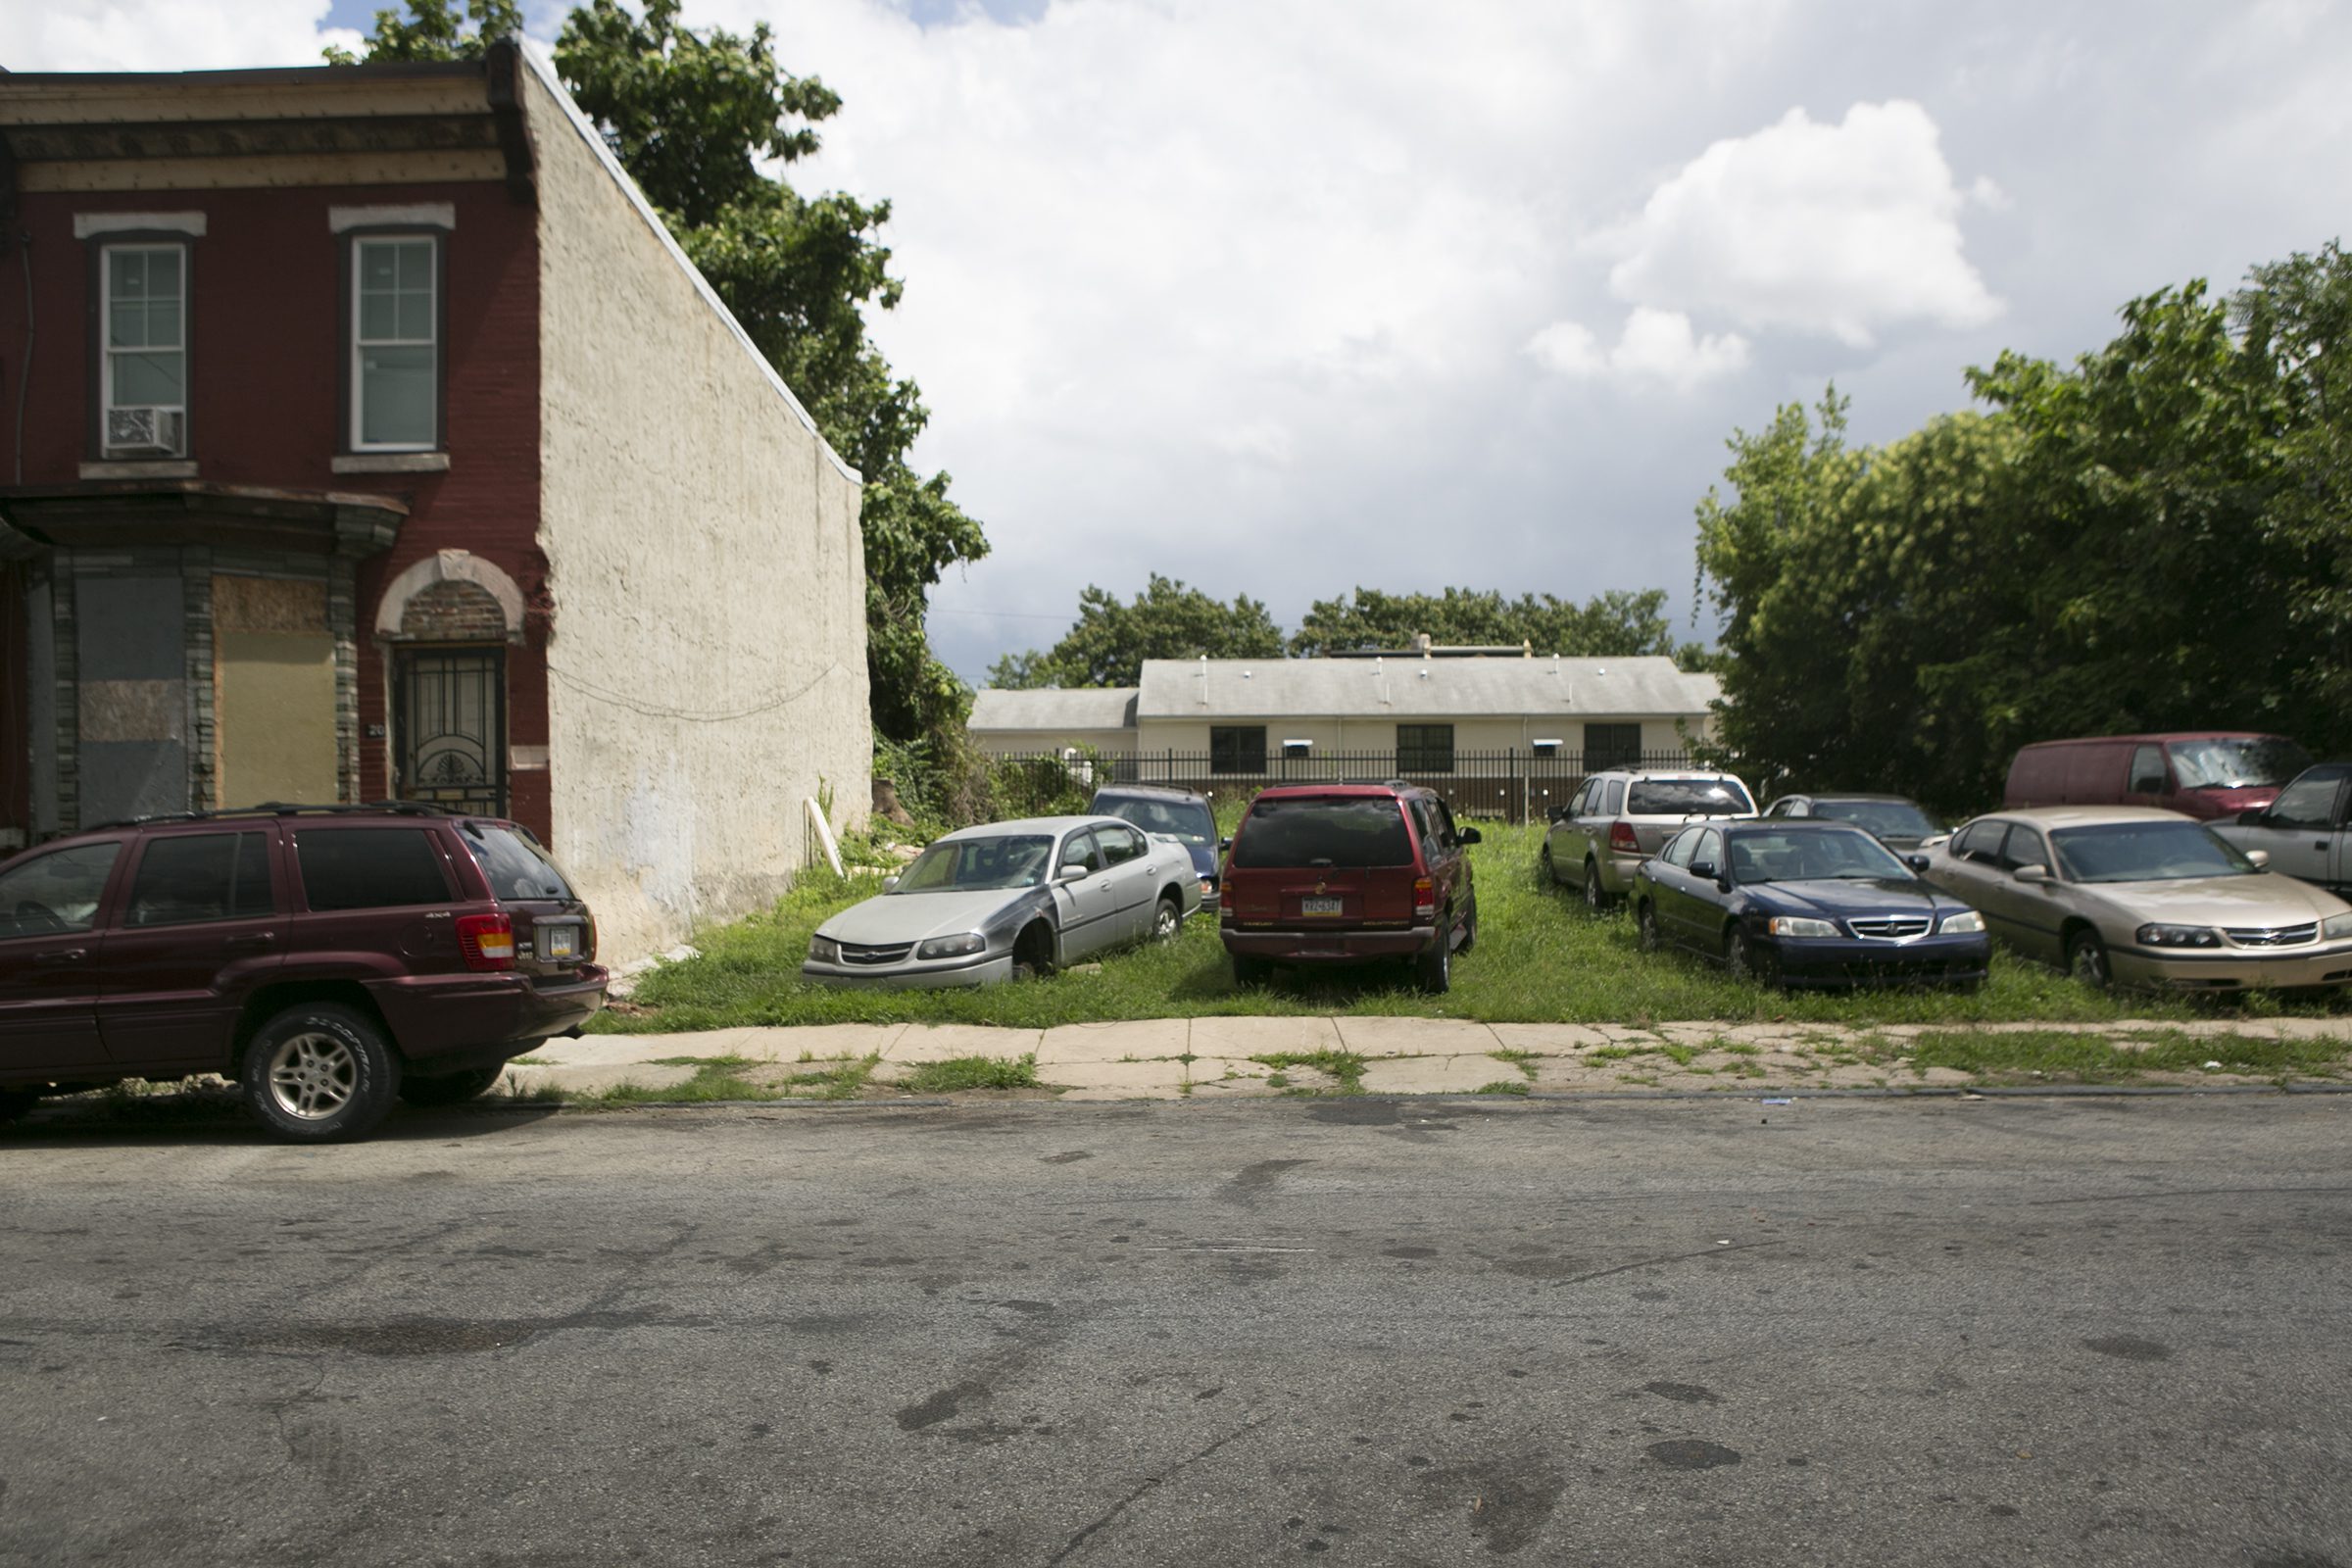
(1540, 958)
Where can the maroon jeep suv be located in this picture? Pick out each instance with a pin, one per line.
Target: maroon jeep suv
(1342, 873)
(327, 958)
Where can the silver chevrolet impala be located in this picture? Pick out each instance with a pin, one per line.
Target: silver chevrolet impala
(1009, 899)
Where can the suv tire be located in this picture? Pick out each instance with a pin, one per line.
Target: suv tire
(320, 1073)
(1597, 897)
(1552, 872)
(449, 1088)
(1251, 972)
(1646, 935)
(14, 1104)
(1470, 926)
(1432, 970)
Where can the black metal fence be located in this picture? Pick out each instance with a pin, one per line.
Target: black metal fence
(1515, 786)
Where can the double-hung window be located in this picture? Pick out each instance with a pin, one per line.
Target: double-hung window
(395, 343)
(143, 371)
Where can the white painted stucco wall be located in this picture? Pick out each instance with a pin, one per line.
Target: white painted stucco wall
(707, 662)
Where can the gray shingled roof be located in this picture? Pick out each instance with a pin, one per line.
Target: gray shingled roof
(1107, 708)
(1306, 688)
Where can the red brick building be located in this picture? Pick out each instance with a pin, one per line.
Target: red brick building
(310, 378)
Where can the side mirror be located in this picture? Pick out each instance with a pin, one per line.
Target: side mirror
(1558, 813)
(2259, 858)
(1471, 835)
(2254, 817)
(1072, 871)
(1917, 862)
(1224, 845)
(1705, 870)
(889, 882)
(2032, 873)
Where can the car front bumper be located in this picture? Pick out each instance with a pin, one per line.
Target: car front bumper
(1850, 961)
(2233, 969)
(1310, 944)
(937, 976)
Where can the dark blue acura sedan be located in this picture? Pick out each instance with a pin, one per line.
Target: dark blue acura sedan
(1806, 904)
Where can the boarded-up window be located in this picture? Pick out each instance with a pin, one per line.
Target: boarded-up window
(274, 693)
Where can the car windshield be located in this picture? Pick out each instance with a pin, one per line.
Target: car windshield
(1179, 819)
(2237, 764)
(1344, 832)
(1686, 796)
(1813, 855)
(2145, 852)
(979, 865)
(1889, 819)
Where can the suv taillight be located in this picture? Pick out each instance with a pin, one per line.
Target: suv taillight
(1425, 897)
(1621, 837)
(487, 941)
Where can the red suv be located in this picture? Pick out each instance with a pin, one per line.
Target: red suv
(1340, 873)
(328, 958)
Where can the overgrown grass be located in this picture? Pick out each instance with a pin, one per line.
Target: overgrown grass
(1540, 958)
(2021, 1055)
(972, 1072)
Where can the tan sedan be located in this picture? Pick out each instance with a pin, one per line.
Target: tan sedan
(2122, 895)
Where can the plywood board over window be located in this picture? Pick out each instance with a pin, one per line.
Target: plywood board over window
(273, 692)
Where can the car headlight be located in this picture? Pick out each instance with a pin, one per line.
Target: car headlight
(2179, 936)
(824, 949)
(2335, 926)
(1961, 924)
(956, 947)
(1798, 925)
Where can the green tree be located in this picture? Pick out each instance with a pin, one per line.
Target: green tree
(693, 115)
(435, 29)
(1616, 624)
(1111, 640)
(2151, 538)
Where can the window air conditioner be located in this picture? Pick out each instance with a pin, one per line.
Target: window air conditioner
(150, 430)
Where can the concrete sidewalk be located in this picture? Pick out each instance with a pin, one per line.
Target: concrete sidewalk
(1224, 1058)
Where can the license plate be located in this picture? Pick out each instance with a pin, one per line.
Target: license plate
(559, 941)
(1318, 906)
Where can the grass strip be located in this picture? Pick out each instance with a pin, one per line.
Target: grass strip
(2017, 1056)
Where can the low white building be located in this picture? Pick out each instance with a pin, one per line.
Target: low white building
(1244, 717)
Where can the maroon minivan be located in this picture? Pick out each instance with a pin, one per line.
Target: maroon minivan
(2202, 774)
(328, 958)
(1342, 873)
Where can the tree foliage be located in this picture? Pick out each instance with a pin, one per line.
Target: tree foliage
(693, 116)
(436, 29)
(1111, 640)
(1616, 624)
(2151, 538)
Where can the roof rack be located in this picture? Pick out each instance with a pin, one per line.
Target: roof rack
(282, 808)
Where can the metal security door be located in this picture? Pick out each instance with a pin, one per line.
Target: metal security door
(449, 728)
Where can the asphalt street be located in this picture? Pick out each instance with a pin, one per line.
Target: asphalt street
(2101, 1330)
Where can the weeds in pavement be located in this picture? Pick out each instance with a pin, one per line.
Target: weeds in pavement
(1344, 1067)
(972, 1072)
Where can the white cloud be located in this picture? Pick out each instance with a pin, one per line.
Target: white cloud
(166, 34)
(1658, 346)
(1841, 229)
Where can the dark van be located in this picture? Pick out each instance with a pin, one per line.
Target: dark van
(2202, 774)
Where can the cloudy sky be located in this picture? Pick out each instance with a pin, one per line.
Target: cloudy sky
(1288, 296)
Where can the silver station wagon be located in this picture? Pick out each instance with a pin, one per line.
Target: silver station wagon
(2135, 896)
(1009, 899)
